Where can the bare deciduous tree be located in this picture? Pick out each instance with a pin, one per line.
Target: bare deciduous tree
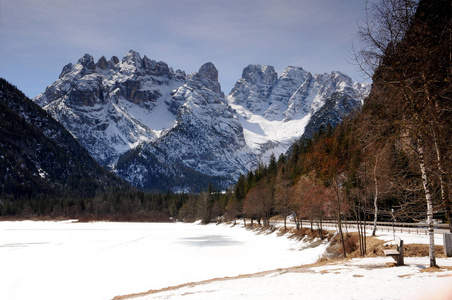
(409, 55)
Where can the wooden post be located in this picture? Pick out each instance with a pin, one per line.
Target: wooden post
(400, 261)
(447, 237)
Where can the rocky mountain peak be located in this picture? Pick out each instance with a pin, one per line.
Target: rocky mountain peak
(206, 78)
(66, 69)
(87, 61)
(112, 106)
(155, 68)
(260, 74)
(102, 63)
(293, 72)
(132, 58)
(114, 60)
(209, 71)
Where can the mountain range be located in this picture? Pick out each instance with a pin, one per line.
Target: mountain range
(161, 129)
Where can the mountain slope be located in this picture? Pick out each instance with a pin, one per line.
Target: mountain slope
(332, 112)
(39, 157)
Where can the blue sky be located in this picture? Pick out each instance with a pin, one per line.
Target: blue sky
(39, 37)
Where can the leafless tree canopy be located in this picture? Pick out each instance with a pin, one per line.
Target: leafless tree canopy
(384, 26)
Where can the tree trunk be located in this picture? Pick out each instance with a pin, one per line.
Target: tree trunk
(299, 222)
(339, 224)
(377, 156)
(439, 160)
(444, 199)
(375, 207)
(428, 198)
(321, 227)
(339, 221)
(365, 233)
(358, 225)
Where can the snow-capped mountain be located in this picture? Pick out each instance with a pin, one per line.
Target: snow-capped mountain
(206, 144)
(275, 111)
(161, 129)
(113, 106)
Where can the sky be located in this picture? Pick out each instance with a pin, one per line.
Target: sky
(39, 37)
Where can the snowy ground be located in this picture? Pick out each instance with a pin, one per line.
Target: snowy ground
(367, 278)
(67, 260)
(360, 278)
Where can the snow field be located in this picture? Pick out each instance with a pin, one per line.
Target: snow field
(68, 260)
(367, 278)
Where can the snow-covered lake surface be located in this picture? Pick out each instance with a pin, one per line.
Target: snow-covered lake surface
(69, 260)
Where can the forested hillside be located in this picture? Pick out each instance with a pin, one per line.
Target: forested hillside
(39, 157)
(392, 159)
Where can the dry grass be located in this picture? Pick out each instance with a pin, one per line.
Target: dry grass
(304, 233)
(375, 248)
(431, 270)
(419, 250)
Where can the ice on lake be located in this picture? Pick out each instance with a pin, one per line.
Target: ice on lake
(100, 260)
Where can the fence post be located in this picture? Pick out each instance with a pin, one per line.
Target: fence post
(447, 237)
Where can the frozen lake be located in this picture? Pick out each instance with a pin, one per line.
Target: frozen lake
(68, 260)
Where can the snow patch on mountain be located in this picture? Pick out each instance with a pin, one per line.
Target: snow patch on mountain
(274, 111)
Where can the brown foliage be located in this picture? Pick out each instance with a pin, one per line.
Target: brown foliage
(259, 202)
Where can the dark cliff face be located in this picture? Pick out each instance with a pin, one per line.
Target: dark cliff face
(39, 157)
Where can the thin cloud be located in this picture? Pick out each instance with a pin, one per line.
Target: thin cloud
(42, 36)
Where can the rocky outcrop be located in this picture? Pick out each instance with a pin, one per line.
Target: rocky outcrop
(254, 88)
(332, 112)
